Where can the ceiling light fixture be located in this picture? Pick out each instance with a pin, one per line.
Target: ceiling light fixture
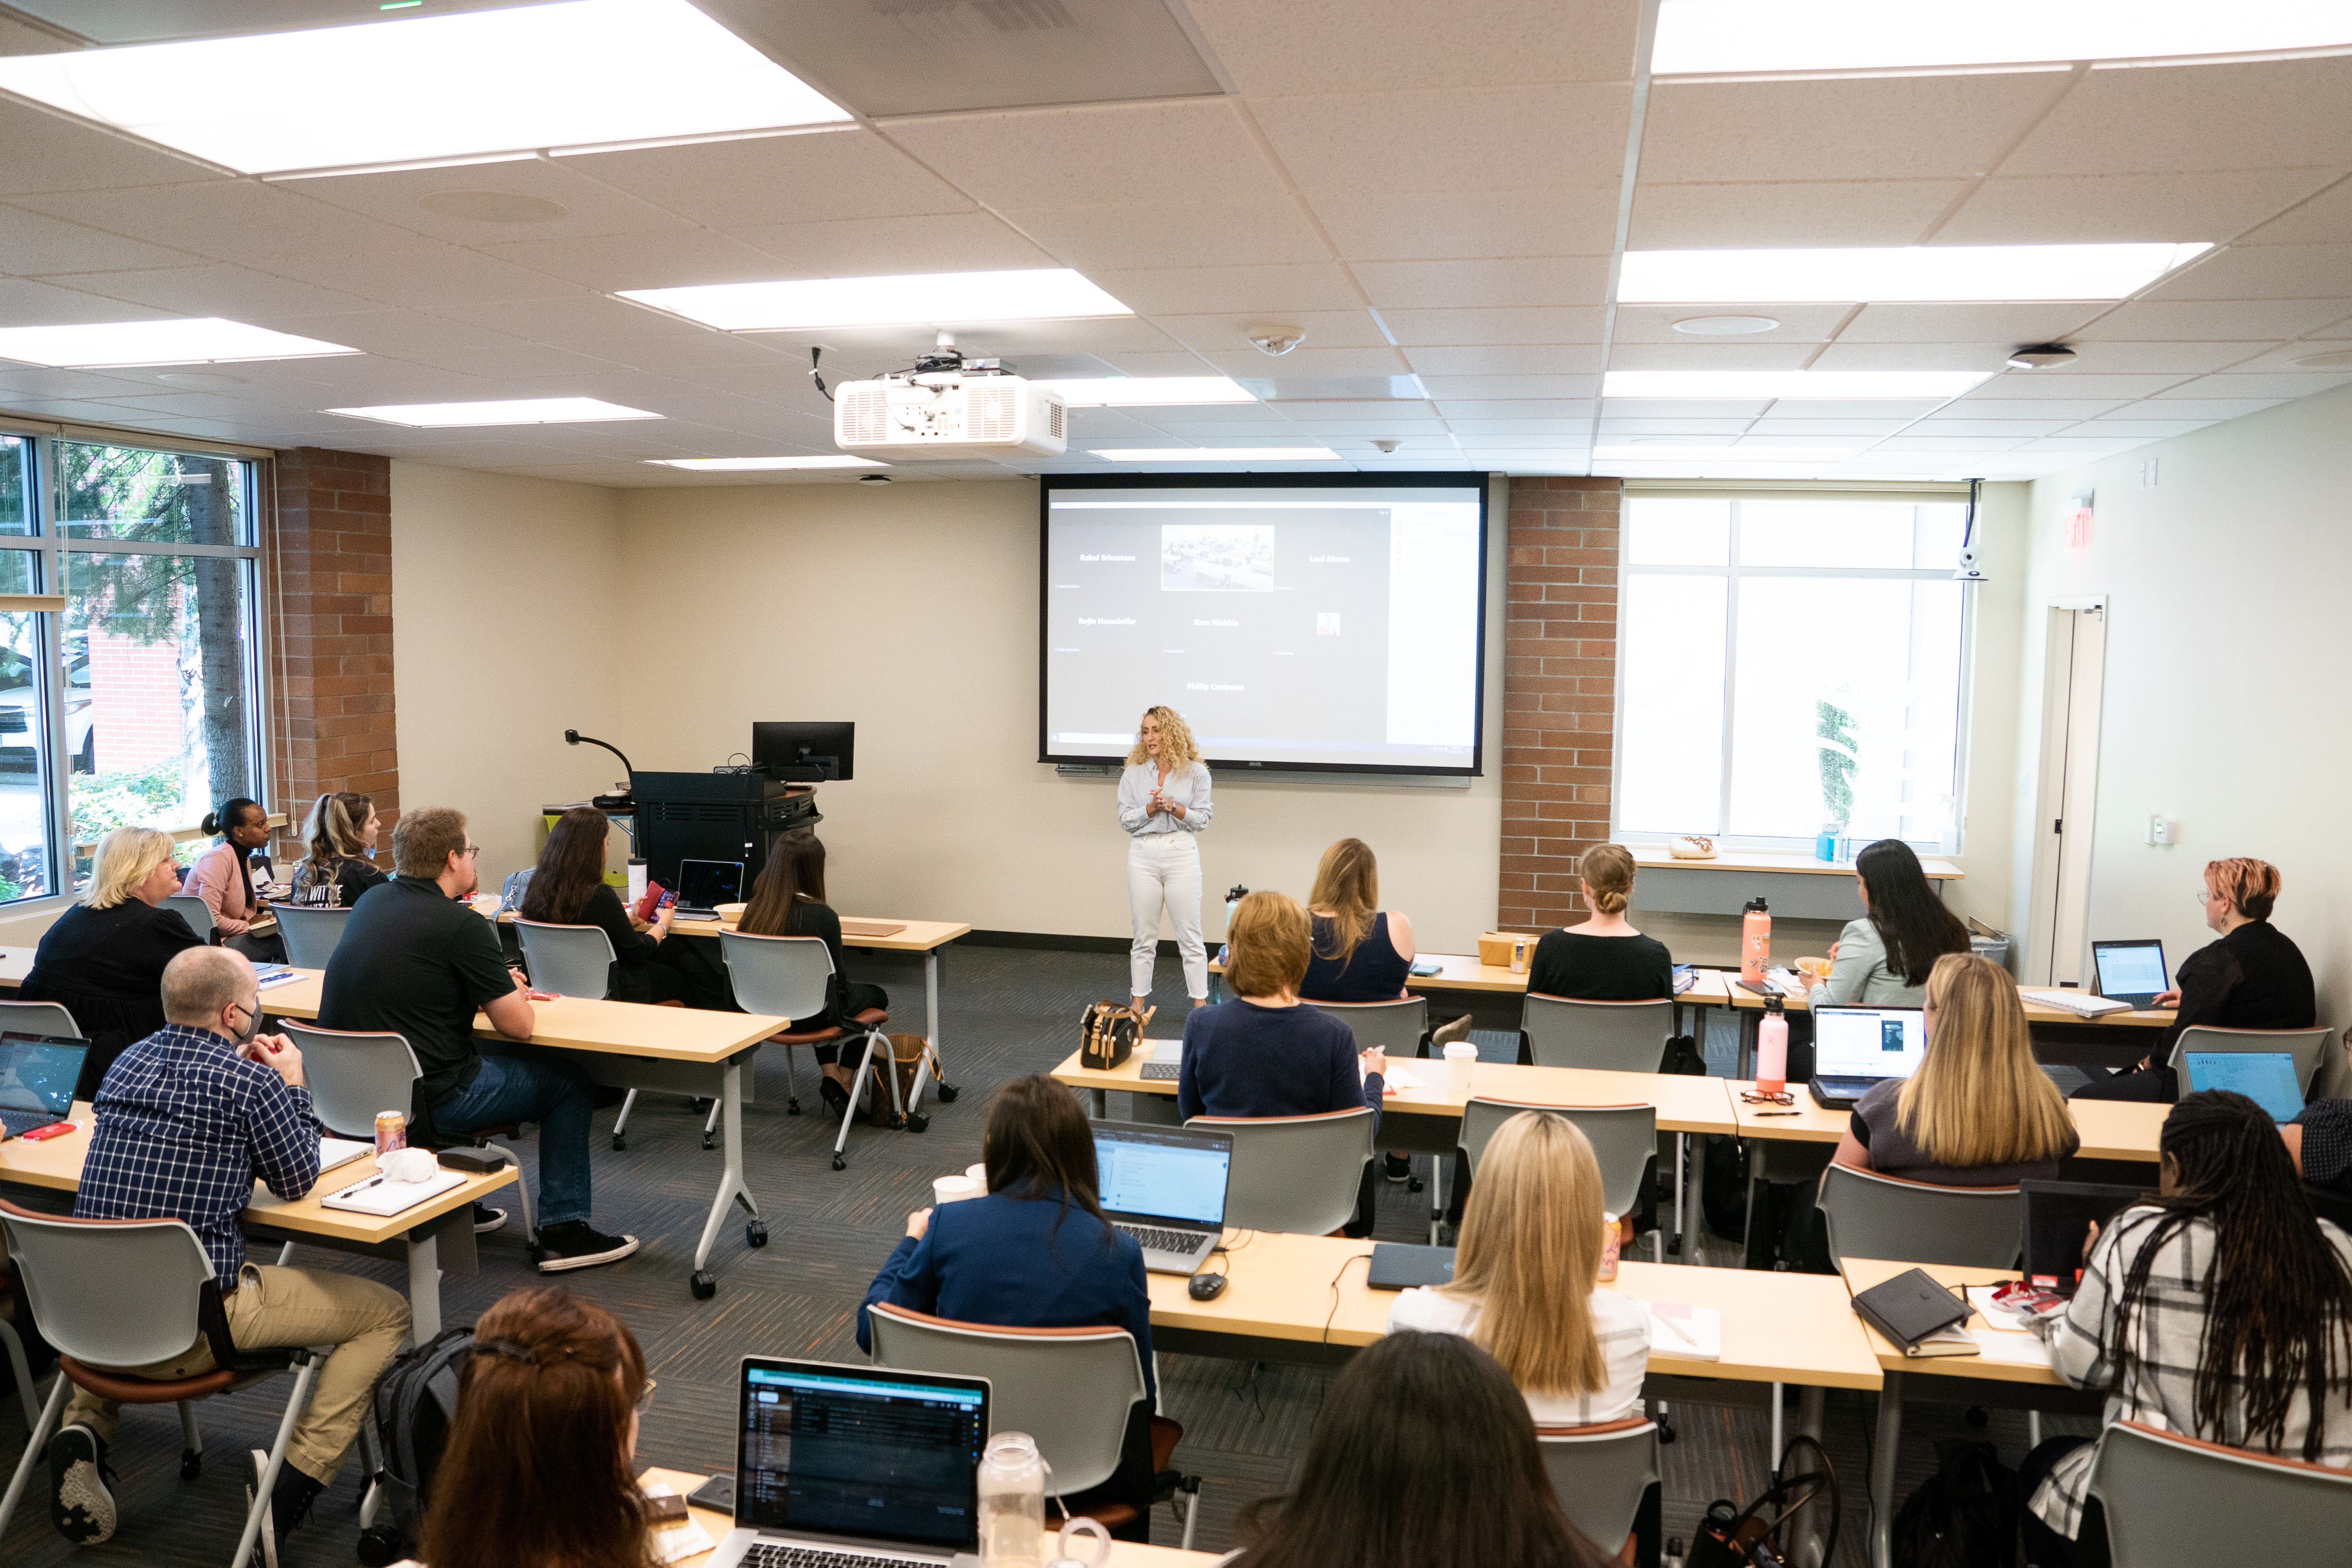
(204, 340)
(1725, 326)
(760, 465)
(922, 299)
(1936, 272)
(1217, 454)
(464, 87)
(1750, 385)
(1150, 391)
(1744, 37)
(510, 411)
(2041, 357)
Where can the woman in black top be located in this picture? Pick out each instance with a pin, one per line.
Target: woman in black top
(103, 960)
(2253, 978)
(1358, 952)
(1605, 959)
(788, 899)
(567, 888)
(341, 866)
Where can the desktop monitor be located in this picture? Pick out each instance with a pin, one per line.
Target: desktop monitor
(804, 753)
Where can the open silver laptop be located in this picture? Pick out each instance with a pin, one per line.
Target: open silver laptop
(1855, 1049)
(2130, 971)
(1165, 1186)
(854, 1466)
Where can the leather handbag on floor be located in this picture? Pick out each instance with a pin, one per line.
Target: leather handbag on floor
(1109, 1033)
(908, 1054)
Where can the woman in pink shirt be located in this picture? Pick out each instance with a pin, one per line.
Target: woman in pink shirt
(222, 878)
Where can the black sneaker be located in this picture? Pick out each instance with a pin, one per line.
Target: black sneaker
(1397, 1167)
(488, 1219)
(573, 1244)
(82, 1499)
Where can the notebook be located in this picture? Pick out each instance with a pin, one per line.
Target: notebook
(1695, 1333)
(1917, 1315)
(2266, 1077)
(1164, 1186)
(377, 1196)
(2082, 1004)
(1402, 1266)
(872, 928)
(2130, 971)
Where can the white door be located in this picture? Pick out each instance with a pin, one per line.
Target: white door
(2058, 940)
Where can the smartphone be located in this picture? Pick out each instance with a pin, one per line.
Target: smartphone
(717, 1493)
(54, 1130)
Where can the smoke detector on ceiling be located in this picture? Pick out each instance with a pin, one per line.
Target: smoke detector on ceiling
(1276, 342)
(2041, 357)
(1388, 447)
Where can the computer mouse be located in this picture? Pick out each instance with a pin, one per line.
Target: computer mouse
(1207, 1287)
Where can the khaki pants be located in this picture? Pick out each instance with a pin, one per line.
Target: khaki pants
(274, 1309)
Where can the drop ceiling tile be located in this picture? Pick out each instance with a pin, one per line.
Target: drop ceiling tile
(1498, 138)
(34, 243)
(1095, 240)
(49, 153)
(2262, 272)
(2179, 321)
(2283, 383)
(427, 276)
(812, 177)
(1912, 356)
(1138, 362)
(2179, 359)
(1193, 153)
(683, 257)
(2325, 219)
(1653, 408)
(24, 303)
(1935, 322)
(589, 207)
(2080, 447)
(2073, 385)
(1511, 389)
(2026, 408)
(1458, 409)
(1308, 363)
(2014, 429)
(1497, 432)
(1617, 427)
(1798, 426)
(1799, 323)
(1305, 411)
(1224, 416)
(238, 220)
(1689, 352)
(1903, 408)
(2088, 209)
(239, 293)
(1476, 329)
(1537, 359)
(1447, 225)
(1911, 442)
(1474, 285)
(1267, 292)
(1881, 128)
(19, 383)
(1794, 214)
(1348, 329)
(1303, 45)
(1369, 424)
(2176, 118)
(2202, 408)
(2122, 424)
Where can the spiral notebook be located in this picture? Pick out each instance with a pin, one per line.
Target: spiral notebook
(378, 1196)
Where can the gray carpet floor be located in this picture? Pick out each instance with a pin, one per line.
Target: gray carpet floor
(1008, 1012)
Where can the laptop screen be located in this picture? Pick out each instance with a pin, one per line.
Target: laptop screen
(707, 884)
(2129, 968)
(2266, 1077)
(1163, 1173)
(38, 1073)
(874, 1453)
(1868, 1042)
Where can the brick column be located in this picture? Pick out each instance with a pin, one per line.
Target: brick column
(1560, 691)
(332, 654)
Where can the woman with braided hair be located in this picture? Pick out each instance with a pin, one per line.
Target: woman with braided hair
(2221, 1310)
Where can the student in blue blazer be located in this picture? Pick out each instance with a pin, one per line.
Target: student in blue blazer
(1035, 1252)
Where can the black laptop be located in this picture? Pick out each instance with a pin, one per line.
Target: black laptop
(1855, 1049)
(38, 1074)
(704, 885)
(2055, 1217)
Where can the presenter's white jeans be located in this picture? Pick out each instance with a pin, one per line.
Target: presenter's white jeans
(1163, 870)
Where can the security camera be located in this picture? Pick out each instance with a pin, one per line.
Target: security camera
(1276, 342)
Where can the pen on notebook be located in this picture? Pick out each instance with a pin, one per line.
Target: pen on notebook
(1673, 1328)
(1780, 1114)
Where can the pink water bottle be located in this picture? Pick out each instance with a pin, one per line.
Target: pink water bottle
(1772, 1048)
(1755, 942)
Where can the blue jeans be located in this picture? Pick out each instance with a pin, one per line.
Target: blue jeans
(527, 1085)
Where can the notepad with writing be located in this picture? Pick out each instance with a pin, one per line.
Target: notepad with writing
(1917, 1314)
(1695, 1333)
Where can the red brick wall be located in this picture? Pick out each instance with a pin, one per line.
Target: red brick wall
(1560, 691)
(331, 557)
(134, 710)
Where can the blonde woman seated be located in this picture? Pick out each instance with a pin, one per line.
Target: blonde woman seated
(1980, 1112)
(1525, 1279)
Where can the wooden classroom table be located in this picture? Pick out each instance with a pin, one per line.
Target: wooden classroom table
(55, 1164)
(2116, 1037)
(681, 1050)
(1464, 971)
(2110, 1128)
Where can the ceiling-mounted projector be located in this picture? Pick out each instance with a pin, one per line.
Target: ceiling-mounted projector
(950, 407)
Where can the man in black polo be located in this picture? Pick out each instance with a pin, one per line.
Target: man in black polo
(417, 960)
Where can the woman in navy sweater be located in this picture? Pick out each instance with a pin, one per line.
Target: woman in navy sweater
(1035, 1253)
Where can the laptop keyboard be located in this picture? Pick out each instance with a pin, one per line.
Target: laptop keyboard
(20, 1122)
(1159, 1072)
(1163, 1240)
(761, 1554)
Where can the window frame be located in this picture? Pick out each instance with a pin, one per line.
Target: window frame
(1955, 833)
(49, 546)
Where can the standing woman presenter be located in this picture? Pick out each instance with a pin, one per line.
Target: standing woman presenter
(1163, 801)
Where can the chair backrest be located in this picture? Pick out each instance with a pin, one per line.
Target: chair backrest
(194, 910)
(50, 1018)
(1071, 1389)
(1599, 1474)
(784, 975)
(1295, 1173)
(1617, 1036)
(311, 932)
(571, 961)
(2307, 1047)
(1395, 1027)
(2174, 1502)
(352, 1075)
(115, 1294)
(1871, 1215)
(1623, 1138)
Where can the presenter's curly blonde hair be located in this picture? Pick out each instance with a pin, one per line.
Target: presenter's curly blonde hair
(1176, 747)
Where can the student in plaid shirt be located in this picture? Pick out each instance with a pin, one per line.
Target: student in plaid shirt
(2224, 1312)
(187, 1119)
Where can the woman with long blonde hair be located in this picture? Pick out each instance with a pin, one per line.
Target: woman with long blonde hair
(1163, 802)
(340, 865)
(1980, 1111)
(1526, 1277)
(103, 958)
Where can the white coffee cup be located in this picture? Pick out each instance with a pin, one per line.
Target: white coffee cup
(954, 1189)
(1460, 1057)
(979, 1175)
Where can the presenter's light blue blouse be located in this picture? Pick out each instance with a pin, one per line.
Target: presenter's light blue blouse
(1188, 787)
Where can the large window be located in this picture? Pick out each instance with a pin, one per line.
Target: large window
(136, 703)
(1790, 664)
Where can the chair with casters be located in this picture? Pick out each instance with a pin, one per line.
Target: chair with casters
(1623, 1138)
(792, 977)
(72, 1272)
(1295, 1173)
(354, 1074)
(196, 912)
(1602, 1474)
(2178, 1501)
(13, 1346)
(577, 961)
(311, 932)
(1871, 1215)
(1615, 1036)
(1074, 1390)
(2307, 1047)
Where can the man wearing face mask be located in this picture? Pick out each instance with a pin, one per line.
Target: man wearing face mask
(186, 1121)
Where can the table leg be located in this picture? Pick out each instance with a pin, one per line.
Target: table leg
(931, 961)
(1682, 1208)
(424, 1284)
(1748, 1026)
(1100, 1099)
(1779, 1440)
(732, 1188)
(1883, 1448)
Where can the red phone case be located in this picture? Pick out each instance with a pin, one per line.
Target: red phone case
(54, 1130)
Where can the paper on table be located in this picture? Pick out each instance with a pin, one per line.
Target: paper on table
(684, 1538)
(1678, 1329)
(1399, 1076)
(2018, 1348)
(1996, 1316)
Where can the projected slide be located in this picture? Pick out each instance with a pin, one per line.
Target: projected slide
(1304, 626)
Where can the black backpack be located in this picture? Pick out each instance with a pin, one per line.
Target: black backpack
(1963, 1516)
(416, 1402)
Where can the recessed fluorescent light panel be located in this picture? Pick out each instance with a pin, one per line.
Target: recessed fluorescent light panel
(1742, 38)
(1750, 385)
(206, 339)
(450, 89)
(1217, 454)
(1941, 272)
(1150, 391)
(512, 411)
(760, 465)
(919, 299)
